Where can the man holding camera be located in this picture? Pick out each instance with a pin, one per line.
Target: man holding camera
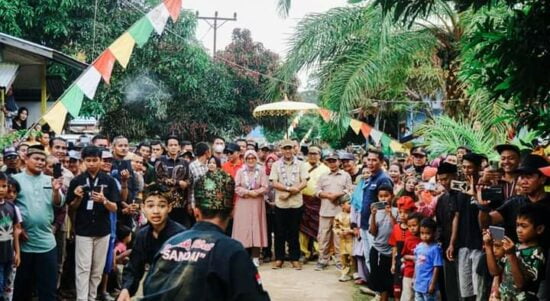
(93, 195)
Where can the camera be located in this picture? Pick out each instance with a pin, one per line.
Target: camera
(495, 194)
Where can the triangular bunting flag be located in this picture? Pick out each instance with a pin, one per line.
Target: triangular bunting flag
(325, 114)
(365, 130)
(174, 7)
(122, 48)
(72, 100)
(345, 121)
(396, 146)
(385, 142)
(56, 117)
(104, 64)
(141, 31)
(355, 125)
(376, 135)
(88, 81)
(158, 17)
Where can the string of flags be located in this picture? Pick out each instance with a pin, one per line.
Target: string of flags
(101, 68)
(387, 144)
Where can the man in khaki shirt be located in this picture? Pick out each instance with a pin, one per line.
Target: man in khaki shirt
(309, 227)
(289, 178)
(331, 188)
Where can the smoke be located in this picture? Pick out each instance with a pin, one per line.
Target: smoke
(144, 91)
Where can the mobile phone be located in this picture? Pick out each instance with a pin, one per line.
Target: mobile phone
(57, 171)
(429, 186)
(379, 205)
(459, 186)
(497, 232)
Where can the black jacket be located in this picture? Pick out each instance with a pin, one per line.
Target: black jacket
(203, 264)
(144, 250)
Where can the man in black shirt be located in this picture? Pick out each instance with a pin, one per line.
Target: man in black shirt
(468, 236)
(149, 239)
(93, 195)
(445, 211)
(203, 263)
(173, 172)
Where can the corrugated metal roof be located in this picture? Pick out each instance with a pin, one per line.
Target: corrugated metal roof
(7, 74)
(40, 50)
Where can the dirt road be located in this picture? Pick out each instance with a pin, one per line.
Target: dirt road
(288, 284)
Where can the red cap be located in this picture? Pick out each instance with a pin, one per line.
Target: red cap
(545, 171)
(406, 202)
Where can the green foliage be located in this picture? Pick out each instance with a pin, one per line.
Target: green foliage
(507, 49)
(171, 85)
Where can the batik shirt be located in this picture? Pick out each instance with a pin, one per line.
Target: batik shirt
(531, 260)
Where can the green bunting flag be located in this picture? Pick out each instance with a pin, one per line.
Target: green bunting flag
(72, 100)
(141, 31)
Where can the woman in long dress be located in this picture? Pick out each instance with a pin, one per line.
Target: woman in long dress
(249, 218)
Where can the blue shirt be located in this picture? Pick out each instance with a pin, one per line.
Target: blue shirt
(370, 195)
(36, 205)
(426, 258)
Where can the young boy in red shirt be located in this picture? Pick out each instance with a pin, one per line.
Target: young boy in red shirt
(405, 206)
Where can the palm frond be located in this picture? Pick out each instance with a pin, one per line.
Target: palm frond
(283, 7)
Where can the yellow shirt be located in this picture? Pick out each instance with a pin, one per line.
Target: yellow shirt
(314, 177)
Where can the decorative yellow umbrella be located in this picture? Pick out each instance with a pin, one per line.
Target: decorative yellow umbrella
(284, 108)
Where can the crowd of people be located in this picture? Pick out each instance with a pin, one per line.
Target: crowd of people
(97, 219)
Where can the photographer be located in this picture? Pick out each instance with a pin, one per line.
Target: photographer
(92, 194)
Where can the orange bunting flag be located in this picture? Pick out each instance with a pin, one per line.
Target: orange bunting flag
(325, 114)
(365, 130)
(355, 125)
(104, 64)
(174, 8)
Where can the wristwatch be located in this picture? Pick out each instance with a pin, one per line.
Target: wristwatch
(287, 188)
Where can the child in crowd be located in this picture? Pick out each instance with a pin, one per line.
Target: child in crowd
(381, 224)
(9, 240)
(13, 190)
(411, 241)
(124, 239)
(410, 187)
(149, 239)
(428, 263)
(342, 229)
(495, 255)
(523, 264)
(405, 206)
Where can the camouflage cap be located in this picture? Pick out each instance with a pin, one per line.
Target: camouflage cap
(214, 191)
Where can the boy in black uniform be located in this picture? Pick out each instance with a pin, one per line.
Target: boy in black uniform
(203, 263)
(149, 239)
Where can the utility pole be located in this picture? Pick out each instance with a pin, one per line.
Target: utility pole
(215, 25)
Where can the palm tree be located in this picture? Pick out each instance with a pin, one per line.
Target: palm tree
(363, 56)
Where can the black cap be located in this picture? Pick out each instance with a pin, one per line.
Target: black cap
(446, 168)
(474, 158)
(419, 150)
(502, 147)
(232, 147)
(531, 164)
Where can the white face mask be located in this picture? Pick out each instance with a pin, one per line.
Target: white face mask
(218, 148)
